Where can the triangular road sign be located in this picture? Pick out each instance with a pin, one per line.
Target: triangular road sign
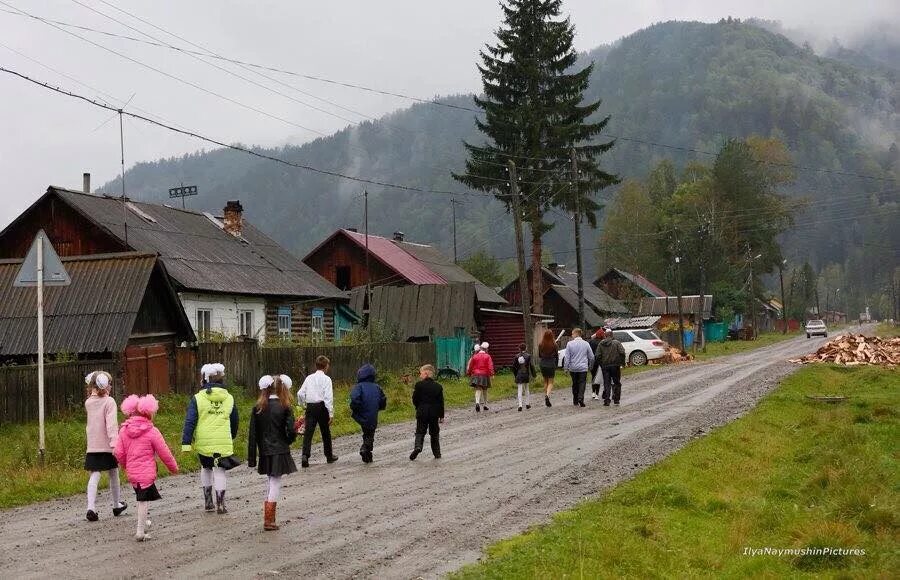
(54, 272)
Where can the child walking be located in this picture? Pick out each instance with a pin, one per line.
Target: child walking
(139, 443)
(102, 432)
(210, 427)
(523, 369)
(480, 370)
(428, 399)
(366, 399)
(271, 434)
(317, 394)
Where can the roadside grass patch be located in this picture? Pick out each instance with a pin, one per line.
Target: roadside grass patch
(714, 349)
(24, 481)
(792, 473)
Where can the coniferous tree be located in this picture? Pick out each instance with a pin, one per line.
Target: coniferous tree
(534, 115)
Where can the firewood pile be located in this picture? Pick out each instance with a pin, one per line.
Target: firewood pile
(856, 349)
(673, 355)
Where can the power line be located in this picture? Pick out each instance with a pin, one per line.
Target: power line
(237, 147)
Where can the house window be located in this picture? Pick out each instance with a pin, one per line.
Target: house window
(204, 322)
(318, 323)
(246, 323)
(342, 277)
(284, 321)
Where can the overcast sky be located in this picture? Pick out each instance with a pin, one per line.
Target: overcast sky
(423, 48)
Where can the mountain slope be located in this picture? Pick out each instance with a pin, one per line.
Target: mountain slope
(687, 84)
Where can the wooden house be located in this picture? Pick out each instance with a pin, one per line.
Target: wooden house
(231, 279)
(628, 288)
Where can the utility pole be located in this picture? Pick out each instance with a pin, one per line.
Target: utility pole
(703, 232)
(520, 253)
(122, 150)
(750, 259)
(784, 305)
(453, 204)
(578, 265)
(368, 303)
(680, 311)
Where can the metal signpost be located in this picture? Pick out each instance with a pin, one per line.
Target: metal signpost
(41, 267)
(183, 191)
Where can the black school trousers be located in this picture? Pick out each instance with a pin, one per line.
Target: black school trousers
(316, 415)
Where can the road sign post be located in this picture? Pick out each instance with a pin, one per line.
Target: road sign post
(42, 266)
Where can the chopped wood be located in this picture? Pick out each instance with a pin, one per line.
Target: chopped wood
(855, 350)
(673, 355)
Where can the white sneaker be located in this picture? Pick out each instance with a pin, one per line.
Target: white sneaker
(147, 525)
(596, 398)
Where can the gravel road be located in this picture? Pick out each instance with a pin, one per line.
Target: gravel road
(501, 472)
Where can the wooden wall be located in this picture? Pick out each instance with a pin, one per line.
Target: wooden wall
(64, 389)
(342, 252)
(301, 318)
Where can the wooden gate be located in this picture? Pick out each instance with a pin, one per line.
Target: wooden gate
(147, 370)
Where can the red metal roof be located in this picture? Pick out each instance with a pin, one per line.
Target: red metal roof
(396, 258)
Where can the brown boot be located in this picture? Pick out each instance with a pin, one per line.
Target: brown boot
(269, 516)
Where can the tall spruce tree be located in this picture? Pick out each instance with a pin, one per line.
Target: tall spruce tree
(534, 115)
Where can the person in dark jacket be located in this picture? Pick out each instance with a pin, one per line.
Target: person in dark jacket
(594, 342)
(428, 399)
(612, 358)
(271, 434)
(523, 369)
(366, 399)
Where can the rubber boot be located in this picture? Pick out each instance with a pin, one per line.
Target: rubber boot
(269, 516)
(208, 498)
(420, 440)
(220, 502)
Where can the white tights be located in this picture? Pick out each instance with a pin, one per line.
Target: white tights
(274, 488)
(481, 397)
(94, 482)
(214, 477)
(526, 387)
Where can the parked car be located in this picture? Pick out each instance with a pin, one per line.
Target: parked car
(816, 328)
(641, 346)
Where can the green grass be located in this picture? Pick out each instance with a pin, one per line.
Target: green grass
(793, 473)
(887, 330)
(25, 481)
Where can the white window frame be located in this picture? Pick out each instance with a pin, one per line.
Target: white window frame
(284, 330)
(245, 323)
(317, 323)
(204, 323)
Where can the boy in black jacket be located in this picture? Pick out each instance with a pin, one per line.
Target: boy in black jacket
(428, 399)
(523, 369)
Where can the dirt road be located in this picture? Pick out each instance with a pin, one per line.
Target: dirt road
(501, 472)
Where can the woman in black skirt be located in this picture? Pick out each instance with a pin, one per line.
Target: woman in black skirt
(271, 434)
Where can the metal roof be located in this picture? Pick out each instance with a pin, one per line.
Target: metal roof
(669, 305)
(96, 313)
(633, 322)
(395, 257)
(570, 297)
(198, 254)
(644, 284)
(444, 267)
(599, 300)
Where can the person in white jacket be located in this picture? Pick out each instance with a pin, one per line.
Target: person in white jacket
(318, 395)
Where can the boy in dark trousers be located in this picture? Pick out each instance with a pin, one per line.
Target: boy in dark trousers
(523, 369)
(366, 399)
(612, 358)
(428, 399)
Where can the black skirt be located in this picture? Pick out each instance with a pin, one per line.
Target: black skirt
(281, 464)
(480, 382)
(147, 493)
(225, 463)
(100, 461)
(548, 372)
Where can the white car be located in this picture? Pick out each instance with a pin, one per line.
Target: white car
(640, 346)
(816, 328)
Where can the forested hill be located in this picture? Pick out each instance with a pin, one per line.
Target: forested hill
(687, 84)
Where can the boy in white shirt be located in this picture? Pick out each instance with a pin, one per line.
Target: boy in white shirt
(318, 396)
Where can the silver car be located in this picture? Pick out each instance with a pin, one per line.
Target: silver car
(816, 328)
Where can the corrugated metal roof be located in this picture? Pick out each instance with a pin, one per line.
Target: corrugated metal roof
(669, 305)
(396, 258)
(96, 313)
(425, 309)
(444, 267)
(595, 297)
(199, 255)
(633, 322)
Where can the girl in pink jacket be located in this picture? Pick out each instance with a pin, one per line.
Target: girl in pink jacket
(102, 431)
(138, 445)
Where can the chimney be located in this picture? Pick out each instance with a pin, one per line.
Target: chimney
(398, 236)
(555, 268)
(354, 230)
(86, 183)
(233, 218)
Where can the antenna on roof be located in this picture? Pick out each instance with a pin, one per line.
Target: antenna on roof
(182, 192)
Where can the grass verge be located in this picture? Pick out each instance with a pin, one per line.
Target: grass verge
(887, 330)
(714, 349)
(793, 473)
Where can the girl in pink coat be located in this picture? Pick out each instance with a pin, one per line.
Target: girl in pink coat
(480, 370)
(102, 430)
(136, 450)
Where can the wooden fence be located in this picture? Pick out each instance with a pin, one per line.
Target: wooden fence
(63, 389)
